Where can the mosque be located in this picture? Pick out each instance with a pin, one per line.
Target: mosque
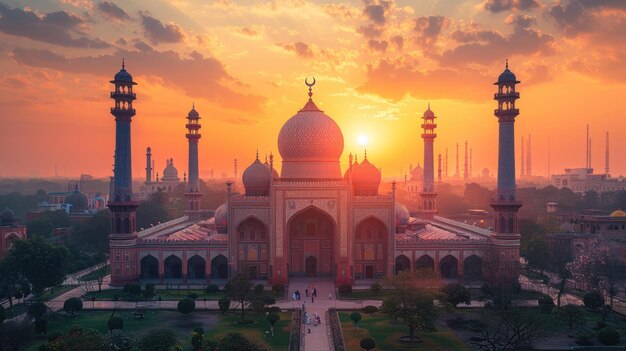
(308, 218)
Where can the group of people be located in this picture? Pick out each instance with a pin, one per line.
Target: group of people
(315, 320)
(296, 294)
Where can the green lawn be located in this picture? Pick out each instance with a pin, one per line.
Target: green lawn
(213, 323)
(365, 294)
(95, 274)
(379, 327)
(169, 294)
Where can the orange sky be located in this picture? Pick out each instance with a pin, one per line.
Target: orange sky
(377, 64)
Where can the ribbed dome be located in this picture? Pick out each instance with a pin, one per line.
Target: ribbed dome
(123, 75)
(170, 172)
(221, 219)
(365, 179)
(7, 217)
(507, 76)
(310, 144)
(429, 113)
(78, 201)
(618, 213)
(256, 179)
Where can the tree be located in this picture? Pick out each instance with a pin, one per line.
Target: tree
(15, 334)
(231, 342)
(72, 305)
(186, 305)
(560, 256)
(93, 233)
(115, 322)
(239, 289)
(158, 340)
(355, 317)
(272, 318)
(47, 222)
(537, 252)
(37, 310)
(223, 304)
(3, 314)
(506, 330)
(501, 279)
(368, 343)
(455, 294)
(78, 339)
(29, 256)
(153, 211)
(572, 316)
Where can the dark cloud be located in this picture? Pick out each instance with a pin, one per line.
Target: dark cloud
(121, 41)
(251, 32)
(370, 31)
(157, 32)
(196, 75)
(428, 28)
(397, 41)
(582, 16)
(53, 28)
(141, 46)
(394, 80)
(485, 47)
(378, 45)
(112, 11)
(522, 21)
(299, 48)
(507, 5)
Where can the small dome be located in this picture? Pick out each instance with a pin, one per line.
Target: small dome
(507, 76)
(618, 213)
(256, 179)
(402, 215)
(365, 179)
(221, 219)
(123, 75)
(78, 201)
(274, 171)
(193, 113)
(7, 217)
(170, 172)
(148, 149)
(417, 173)
(429, 113)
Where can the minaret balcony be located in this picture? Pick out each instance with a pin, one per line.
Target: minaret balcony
(122, 95)
(506, 112)
(504, 95)
(130, 111)
(193, 126)
(429, 126)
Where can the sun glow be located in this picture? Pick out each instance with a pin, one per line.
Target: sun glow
(363, 140)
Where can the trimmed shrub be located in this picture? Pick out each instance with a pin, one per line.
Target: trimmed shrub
(376, 288)
(132, 289)
(149, 290)
(272, 309)
(278, 290)
(186, 305)
(258, 289)
(273, 318)
(224, 304)
(370, 309)
(211, 289)
(269, 300)
(455, 294)
(593, 300)
(115, 322)
(72, 305)
(546, 304)
(584, 340)
(345, 289)
(192, 296)
(355, 317)
(37, 310)
(608, 336)
(368, 343)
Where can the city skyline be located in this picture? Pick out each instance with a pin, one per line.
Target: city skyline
(243, 66)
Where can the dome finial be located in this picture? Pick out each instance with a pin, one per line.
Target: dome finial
(123, 65)
(257, 154)
(429, 105)
(193, 105)
(365, 153)
(310, 85)
(507, 63)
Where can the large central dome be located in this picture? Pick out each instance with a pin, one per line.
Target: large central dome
(310, 144)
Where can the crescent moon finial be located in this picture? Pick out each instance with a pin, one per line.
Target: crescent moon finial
(310, 85)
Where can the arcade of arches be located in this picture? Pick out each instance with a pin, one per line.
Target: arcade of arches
(311, 236)
(252, 249)
(173, 269)
(449, 267)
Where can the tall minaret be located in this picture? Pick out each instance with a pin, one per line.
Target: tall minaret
(428, 194)
(123, 207)
(148, 165)
(522, 172)
(506, 237)
(192, 188)
(465, 165)
(456, 172)
(529, 167)
(439, 170)
(606, 155)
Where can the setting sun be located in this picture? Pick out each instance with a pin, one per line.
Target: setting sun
(363, 140)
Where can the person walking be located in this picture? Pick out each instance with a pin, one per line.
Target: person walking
(306, 292)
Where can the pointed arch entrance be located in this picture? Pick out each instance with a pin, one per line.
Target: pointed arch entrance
(370, 248)
(311, 249)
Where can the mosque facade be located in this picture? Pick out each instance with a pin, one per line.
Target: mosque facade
(308, 218)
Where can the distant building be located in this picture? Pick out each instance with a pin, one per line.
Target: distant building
(581, 180)
(167, 183)
(10, 231)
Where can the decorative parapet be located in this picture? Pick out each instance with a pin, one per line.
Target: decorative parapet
(312, 184)
(373, 198)
(296, 339)
(246, 198)
(183, 242)
(159, 227)
(463, 241)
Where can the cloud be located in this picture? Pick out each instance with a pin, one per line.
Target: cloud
(141, 46)
(397, 41)
(343, 11)
(198, 76)
(157, 32)
(522, 21)
(394, 80)
(299, 48)
(428, 28)
(581, 16)
(507, 5)
(377, 45)
(370, 31)
(485, 47)
(112, 11)
(53, 28)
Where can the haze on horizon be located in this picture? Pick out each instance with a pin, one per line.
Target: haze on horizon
(377, 65)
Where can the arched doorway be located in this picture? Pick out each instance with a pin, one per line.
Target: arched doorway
(173, 268)
(448, 267)
(311, 266)
(402, 264)
(473, 268)
(219, 267)
(370, 249)
(425, 261)
(196, 268)
(311, 234)
(252, 249)
(149, 267)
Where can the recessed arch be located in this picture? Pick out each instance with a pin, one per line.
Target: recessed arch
(403, 263)
(371, 239)
(473, 268)
(219, 267)
(425, 261)
(196, 267)
(311, 232)
(149, 267)
(448, 267)
(173, 267)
